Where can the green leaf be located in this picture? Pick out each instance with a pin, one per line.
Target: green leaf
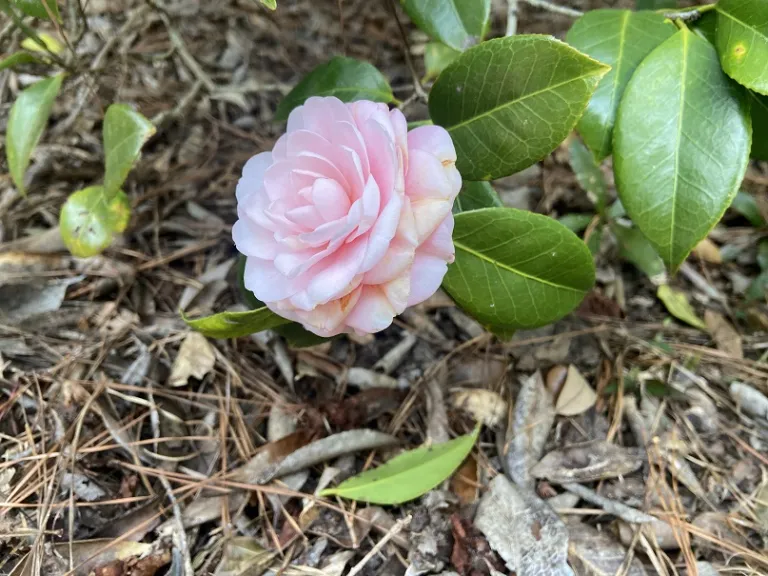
(588, 174)
(36, 8)
(744, 203)
(762, 254)
(456, 23)
(576, 222)
(742, 41)
(296, 335)
(681, 145)
(437, 57)
(516, 269)
(51, 44)
(594, 240)
(474, 196)
(677, 304)
(271, 4)
(509, 102)
(706, 26)
(621, 39)
(236, 324)
(759, 126)
(18, 59)
(89, 220)
(635, 248)
(346, 78)
(654, 4)
(26, 122)
(408, 475)
(125, 132)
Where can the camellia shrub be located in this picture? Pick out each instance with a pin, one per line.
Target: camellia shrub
(351, 218)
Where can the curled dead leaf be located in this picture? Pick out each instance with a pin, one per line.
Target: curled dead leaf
(576, 395)
(195, 359)
(588, 462)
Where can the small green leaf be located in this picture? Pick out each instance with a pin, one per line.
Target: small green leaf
(744, 203)
(18, 59)
(236, 324)
(677, 304)
(437, 57)
(742, 41)
(759, 126)
(509, 102)
(762, 254)
(89, 220)
(271, 4)
(588, 174)
(408, 475)
(595, 240)
(474, 196)
(654, 4)
(517, 269)
(635, 248)
(26, 122)
(576, 222)
(36, 8)
(125, 132)
(346, 78)
(621, 39)
(681, 145)
(456, 23)
(52, 45)
(758, 288)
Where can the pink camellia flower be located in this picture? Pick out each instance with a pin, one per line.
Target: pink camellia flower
(348, 219)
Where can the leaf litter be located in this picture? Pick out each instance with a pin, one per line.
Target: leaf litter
(591, 464)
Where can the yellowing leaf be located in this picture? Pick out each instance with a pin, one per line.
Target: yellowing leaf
(89, 220)
(51, 43)
(408, 475)
(677, 304)
(577, 395)
(708, 251)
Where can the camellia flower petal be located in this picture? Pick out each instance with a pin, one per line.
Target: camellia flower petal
(348, 219)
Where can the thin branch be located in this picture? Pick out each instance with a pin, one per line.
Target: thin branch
(511, 17)
(552, 7)
(418, 88)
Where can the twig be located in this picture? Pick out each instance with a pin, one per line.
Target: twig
(511, 17)
(394, 531)
(549, 6)
(417, 87)
(394, 357)
(618, 509)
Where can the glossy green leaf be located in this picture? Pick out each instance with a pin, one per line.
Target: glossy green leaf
(346, 78)
(635, 248)
(759, 126)
(621, 39)
(125, 132)
(588, 174)
(18, 59)
(576, 222)
(456, 23)
(236, 324)
(474, 196)
(677, 304)
(509, 102)
(742, 41)
(437, 57)
(517, 269)
(294, 333)
(26, 122)
(681, 145)
(37, 8)
(408, 475)
(89, 220)
(744, 203)
(706, 26)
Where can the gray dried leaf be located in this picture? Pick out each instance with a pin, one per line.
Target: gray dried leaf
(749, 400)
(533, 418)
(244, 556)
(594, 553)
(523, 530)
(20, 302)
(588, 462)
(576, 395)
(84, 487)
(485, 406)
(195, 359)
(659, 531)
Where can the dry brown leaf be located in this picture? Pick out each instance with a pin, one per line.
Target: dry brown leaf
(87, 556)
(243, 556)
(194, 360)
(533, 418)
(724, 335)
(464, 482)
(485, 406)
(595, 553)
(588, 462)
(708, 251)
(660, 532)
(576, 396)
(524, 530)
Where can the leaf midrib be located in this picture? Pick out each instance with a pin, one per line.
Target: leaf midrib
(522, 98)
(683, 75)
(508, 268)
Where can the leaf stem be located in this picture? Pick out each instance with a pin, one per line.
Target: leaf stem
(687, 14)
(680, 24)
